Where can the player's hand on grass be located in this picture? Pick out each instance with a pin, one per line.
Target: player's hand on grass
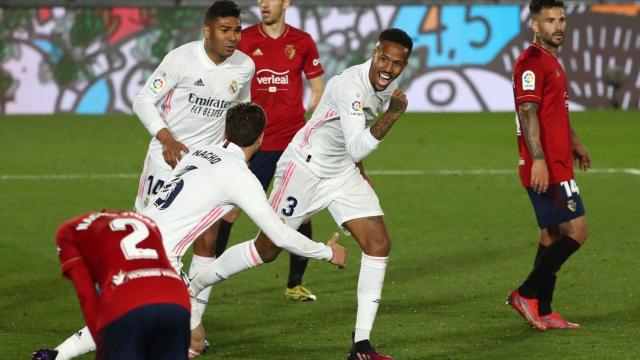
(172, 149)
(539, 176)
(581, 157)
(398, 103)
(339, 257)
(197, 339)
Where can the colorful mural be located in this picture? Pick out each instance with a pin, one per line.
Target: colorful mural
(87, 60)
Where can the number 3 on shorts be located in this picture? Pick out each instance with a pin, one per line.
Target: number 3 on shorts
(293, 202)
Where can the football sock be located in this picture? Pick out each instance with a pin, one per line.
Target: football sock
(298, 264)
(77, 344)
(223, 237)
(545, 295)
(372, 271)
(550, 262)
(237, 258)
(198, 264)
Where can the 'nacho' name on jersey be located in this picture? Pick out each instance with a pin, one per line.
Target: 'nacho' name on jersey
(208, 155)
(208, 106)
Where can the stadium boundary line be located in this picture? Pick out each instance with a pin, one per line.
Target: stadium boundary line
(388, 172)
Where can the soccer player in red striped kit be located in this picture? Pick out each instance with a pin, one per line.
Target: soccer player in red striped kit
(548, 147)
(281, 53)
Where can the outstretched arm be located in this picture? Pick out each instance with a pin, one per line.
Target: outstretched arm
(528, 116)
(87, 294)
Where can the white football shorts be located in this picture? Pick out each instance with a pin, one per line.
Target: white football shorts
(298, 194)
(154, 176)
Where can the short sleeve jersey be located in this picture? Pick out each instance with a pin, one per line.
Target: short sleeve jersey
(539, 78)
(278, 85)
(124, 254)
(195, 94)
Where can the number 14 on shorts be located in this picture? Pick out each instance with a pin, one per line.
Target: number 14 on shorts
(570, 187)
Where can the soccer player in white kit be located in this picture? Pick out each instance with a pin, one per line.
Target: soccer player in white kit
(209, 182)
(197, 82)
(321, 169)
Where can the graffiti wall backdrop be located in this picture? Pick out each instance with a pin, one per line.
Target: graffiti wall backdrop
(88, 60)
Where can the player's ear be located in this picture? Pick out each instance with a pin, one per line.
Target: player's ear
(206, 31)
(285, 4)
(534, 25)
(259, 141)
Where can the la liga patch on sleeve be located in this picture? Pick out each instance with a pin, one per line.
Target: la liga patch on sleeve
(157, 84)
(528, 80)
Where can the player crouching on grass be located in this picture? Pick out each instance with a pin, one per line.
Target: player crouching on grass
(142, 310)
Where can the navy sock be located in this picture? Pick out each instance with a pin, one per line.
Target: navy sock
(550, 261)
(298, 264)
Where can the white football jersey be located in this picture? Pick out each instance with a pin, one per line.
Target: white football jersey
(195, 93)
(337, 136)
(206, 184)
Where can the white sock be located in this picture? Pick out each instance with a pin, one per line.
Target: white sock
(372, 271)
(77, 344)
(237, 258)
(198, 264)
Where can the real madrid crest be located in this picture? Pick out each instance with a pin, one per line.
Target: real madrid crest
(290, 51)
(233, 87)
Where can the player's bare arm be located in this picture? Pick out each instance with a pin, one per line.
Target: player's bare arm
(397, 106)
(172, 149)
(580, 154)
(317, 88)
(527, 113)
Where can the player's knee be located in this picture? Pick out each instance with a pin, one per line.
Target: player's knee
(579, 230)
(232, 215)
(378, 246)
(267, 250)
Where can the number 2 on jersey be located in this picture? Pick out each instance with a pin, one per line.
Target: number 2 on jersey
(129, 243)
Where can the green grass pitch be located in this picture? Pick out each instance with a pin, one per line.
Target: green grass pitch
(462, 240)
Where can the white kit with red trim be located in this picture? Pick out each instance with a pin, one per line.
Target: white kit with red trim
(205, 185)
(194, 94)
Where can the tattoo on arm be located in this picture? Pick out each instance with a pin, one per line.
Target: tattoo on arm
(382, 126)
(527, 113)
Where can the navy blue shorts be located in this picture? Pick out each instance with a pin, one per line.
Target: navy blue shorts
(157, 331)
(263, 165)
(559, 204)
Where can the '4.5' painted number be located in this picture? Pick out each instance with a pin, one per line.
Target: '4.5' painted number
(129, 243)
(293, 202)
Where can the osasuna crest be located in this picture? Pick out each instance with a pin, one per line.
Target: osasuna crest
(571, 205)
(528, 80)
(290, 51)
(233, 87)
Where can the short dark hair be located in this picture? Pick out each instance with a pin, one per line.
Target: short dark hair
(245, 123)
(222, 8)
(535, 6)
(397, 36)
